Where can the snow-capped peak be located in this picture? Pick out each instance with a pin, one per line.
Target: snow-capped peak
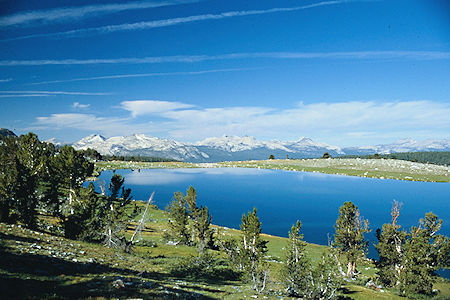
(232, 143)
(55, 141)
(231, 147)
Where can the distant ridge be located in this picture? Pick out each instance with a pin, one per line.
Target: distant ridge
(6, 132)
(231, 147)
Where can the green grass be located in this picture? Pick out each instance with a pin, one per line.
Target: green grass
(32, 264)
(379, 168)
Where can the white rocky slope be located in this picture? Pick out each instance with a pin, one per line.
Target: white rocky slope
(409, 145)
(55, 142)
(307, 144)
(244, 143)
(140, 144)
(240, 148)
(236, 143)
(405, 145)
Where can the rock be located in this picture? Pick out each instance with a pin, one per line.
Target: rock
(370, 284)
(118, 284)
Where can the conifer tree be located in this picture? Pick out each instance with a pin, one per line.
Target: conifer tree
(295, 270)
(301, 277)
(87, 221)
(178, 218)
(349, 236)
(252, 251)
(325, 278)
(201, 233)
(8, 176)
(408, 260)
(51, 182)
(74, 169)
(115, 217)
(21, 162)
(425, 252)
(189, 223)
(391, 240)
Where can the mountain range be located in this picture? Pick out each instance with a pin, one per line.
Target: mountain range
(240, 148)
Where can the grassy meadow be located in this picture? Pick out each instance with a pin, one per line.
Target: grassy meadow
(371, 168)
(42, 265)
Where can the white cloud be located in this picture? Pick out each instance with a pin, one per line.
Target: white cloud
(340, 123)
(151, 107)
(77, 105)
(91, 123)
(64, 14)
(6, 80)
(362, 55)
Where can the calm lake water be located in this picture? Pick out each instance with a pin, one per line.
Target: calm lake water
(282, 197)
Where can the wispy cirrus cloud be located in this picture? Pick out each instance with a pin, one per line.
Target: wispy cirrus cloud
(65, 14)
(339, 123)
(47, 93)
(361, 55)
(23, 95)
(119, 76)
(174, 21)
(6, 80)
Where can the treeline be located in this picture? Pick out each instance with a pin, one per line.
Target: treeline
(94, 155)
(39, 180)
(138, 158)
(407, 259)
(438, 158)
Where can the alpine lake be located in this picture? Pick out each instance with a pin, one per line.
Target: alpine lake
(282, 197)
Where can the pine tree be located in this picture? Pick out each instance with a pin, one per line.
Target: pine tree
(21, 162)
(178, 218)
(201, 233)
(189, 223)
(51, 182)
(425, 252)
(8, 176)
(115, 216)
(87, 221)
(74, 169)
(252, 251)
(391, 240)
(325, 278)
(349, 237)
(408, 260)
(295, 270)
(301, 277)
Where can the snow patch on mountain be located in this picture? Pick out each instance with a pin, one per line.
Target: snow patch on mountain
(140, 144)
(240, 148)
(55, 142)
(236, 143)
(409, 145)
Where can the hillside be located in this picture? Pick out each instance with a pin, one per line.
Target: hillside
(439, 158)
(43, 265)
(6, 132)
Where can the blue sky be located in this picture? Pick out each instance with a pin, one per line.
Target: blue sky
(340, 72)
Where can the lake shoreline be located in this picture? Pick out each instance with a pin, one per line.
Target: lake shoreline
(368, 168)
